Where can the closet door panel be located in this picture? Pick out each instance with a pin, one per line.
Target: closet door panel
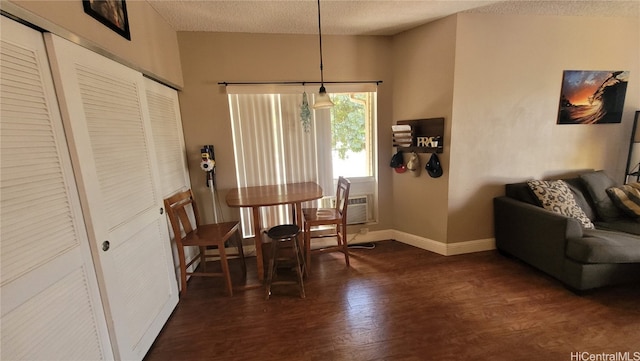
(121, 155)
(166, 124)
(104, 111)
(51, 307)
(164, 112)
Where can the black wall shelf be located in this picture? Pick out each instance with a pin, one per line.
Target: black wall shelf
(421, 131)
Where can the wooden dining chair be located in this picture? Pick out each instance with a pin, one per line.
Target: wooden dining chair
(335, 217)
(203, 236)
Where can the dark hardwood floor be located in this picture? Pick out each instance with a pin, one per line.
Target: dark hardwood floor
(398, 302)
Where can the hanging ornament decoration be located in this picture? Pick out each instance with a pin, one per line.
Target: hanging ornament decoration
(305, 113)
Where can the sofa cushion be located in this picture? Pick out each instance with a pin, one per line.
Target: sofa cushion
(600, 246)
(597, 184)
(557, 197)
(521, 192)
(581, 194)
(626, 198)
(626, 225)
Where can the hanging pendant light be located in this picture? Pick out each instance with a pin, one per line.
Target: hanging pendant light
(322, 100)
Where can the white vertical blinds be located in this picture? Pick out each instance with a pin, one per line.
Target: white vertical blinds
(271, 147)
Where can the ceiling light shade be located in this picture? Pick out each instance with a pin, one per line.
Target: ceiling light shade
(322, 100)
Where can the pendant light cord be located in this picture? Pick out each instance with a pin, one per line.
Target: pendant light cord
(320, 37)
(303, 82)
(377, 82)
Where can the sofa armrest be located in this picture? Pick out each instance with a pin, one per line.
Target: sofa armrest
(533, 234)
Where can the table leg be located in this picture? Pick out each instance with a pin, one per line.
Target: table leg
(258, 241)
(298, 214)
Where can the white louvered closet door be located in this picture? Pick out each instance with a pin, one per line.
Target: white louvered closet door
(166, 124)
(107, 122)
(51, 307)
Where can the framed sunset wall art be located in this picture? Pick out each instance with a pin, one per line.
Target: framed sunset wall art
(592, 97)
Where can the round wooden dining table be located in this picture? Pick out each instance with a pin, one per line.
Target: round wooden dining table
(272, 195)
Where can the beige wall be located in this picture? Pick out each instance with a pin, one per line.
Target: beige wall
(636, 137)
(423, 65)
(507, 85)
(494, 78)
(153, 48)
(210, 58)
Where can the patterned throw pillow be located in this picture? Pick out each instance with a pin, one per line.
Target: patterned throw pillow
(627, 198)
(557, 197)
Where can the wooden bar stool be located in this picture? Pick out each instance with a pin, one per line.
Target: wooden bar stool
(281, 235)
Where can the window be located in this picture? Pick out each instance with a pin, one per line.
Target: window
(271, 146)
(352, 134)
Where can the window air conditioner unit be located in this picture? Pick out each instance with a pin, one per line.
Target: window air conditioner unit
(358, 211)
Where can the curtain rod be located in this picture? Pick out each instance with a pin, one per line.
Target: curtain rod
(377, 82)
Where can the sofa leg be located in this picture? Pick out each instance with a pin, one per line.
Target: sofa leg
(505, 253)
(578, 292)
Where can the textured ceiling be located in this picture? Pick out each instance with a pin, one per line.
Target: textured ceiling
(363, 17)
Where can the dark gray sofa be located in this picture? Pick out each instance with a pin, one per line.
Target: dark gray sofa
(580, 258)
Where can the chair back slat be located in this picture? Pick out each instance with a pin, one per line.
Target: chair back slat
(184, 218)
(176, 207)
(342, 196)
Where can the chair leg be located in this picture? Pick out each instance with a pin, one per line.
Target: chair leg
(345, 246)
(301, 248)
(183, 271)
(272, 266)
(299, 265)
(241, 253)
(225, 269)
(203, 258)
(307, 248)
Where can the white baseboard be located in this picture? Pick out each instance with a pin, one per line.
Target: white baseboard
(421, 242)
(354, 238)
(477, 245)
(371, 236)
(445, 249)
